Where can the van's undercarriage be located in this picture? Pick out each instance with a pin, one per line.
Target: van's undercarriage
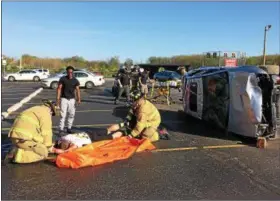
(270, 107)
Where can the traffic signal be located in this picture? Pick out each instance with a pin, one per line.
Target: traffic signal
(215, 55)
(208, 55)
(233, 55)
(225, 55)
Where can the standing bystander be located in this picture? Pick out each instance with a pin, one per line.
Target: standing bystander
(143, 80)
(67, 87)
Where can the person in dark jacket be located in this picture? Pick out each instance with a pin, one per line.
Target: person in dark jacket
(135, 78)
(124, 85)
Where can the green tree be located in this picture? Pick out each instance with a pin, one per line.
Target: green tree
(129, 62)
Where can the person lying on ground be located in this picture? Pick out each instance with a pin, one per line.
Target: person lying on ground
(73, 141)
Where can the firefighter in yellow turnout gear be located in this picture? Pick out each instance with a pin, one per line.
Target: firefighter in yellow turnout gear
(147, 118)
(31, 133)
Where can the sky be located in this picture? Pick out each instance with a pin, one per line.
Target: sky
(137, 30)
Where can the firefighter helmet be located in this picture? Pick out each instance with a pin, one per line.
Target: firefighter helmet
(136, 95)
(51, 104)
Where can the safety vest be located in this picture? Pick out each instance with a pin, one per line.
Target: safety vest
(33, 124)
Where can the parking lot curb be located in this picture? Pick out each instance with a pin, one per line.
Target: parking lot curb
(18, 105)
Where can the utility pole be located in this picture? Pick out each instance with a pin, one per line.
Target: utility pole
(20, 62)
(266, 28)
(4, 62)
(219, 58)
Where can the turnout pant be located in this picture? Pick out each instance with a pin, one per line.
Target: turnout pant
(67, 106)
(125, 89)
(151, 133)
(29, 151)
(144, 89)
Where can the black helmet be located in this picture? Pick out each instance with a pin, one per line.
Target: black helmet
(136, 95)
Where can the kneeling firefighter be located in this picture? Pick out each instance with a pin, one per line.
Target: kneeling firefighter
(143, 118)
(31, 133)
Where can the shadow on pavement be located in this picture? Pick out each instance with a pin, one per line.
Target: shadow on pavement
(108, 102)
(192, 126)
(177, 121)
(120, 111)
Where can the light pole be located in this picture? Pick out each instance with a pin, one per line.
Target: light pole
(266, 28)
(4, 62)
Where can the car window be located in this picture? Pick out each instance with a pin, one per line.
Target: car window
(24, 72)
(174, 74)
(80, 75)
(169, 74)
(32, 72)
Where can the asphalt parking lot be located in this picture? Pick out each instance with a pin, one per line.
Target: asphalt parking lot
(197, 163)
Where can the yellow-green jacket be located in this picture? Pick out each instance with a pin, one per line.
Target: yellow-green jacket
(147, 115)
(33, 124)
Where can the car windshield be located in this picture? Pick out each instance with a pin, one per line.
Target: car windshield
(175, 74)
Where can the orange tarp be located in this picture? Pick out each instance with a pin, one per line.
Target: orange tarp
(102, 152)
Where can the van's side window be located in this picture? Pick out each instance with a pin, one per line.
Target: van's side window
(193, 96)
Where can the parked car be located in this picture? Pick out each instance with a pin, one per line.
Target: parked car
(43, 71)
(86, 79)
(25, 75)
(97, 73)
(167, 75)
(242, 100)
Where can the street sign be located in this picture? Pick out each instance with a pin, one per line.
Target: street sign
(4, 62)
(230, 62)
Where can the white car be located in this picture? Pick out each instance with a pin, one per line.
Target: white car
(25, 75)
(43, 71)
(86, 79)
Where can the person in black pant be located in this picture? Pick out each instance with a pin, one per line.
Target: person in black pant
(124, 82)
(135, 78)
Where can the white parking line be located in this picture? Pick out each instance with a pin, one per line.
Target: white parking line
(18, 105)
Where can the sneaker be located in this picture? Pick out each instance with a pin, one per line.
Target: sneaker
(116, 102)
(69, 131)
(60, 133)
